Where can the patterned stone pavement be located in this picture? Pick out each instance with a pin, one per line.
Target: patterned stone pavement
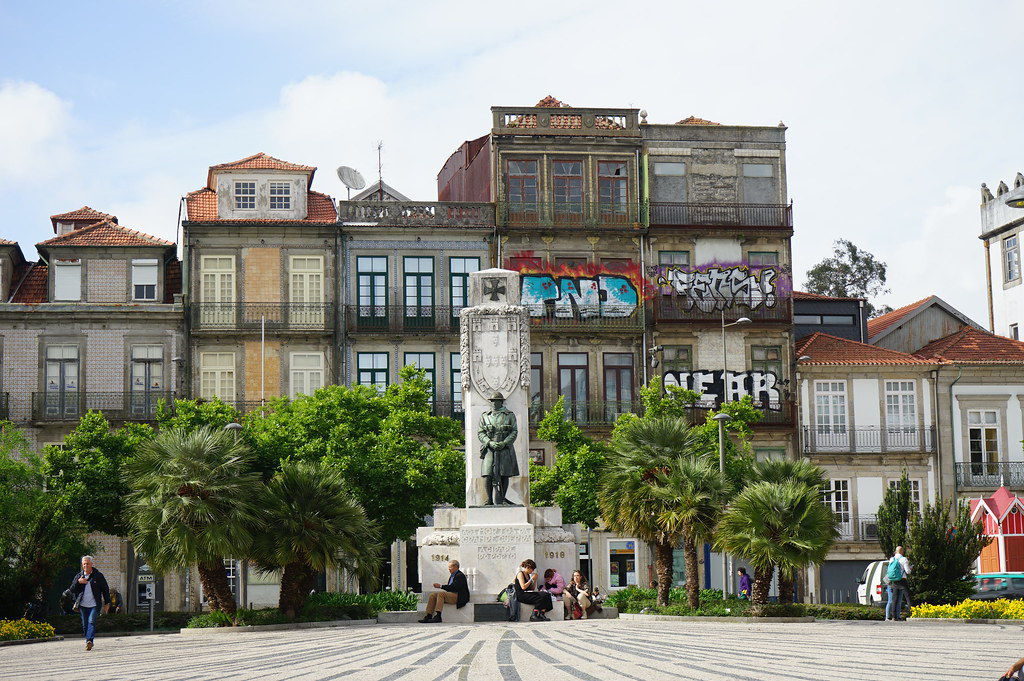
(601, 649)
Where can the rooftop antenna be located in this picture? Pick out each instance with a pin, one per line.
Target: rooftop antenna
(351, 178)
(380, 175)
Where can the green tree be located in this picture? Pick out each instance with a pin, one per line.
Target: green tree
(192, 502)
(311, 523)
(894, 516)
(849, 273)
(942, 548)
(573, 481)
(654, 488)
(776, 525)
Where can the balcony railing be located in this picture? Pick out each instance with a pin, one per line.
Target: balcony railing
(570, 215)
(855, 527)
(417, 213)
(680, 308)
(868, 439)
(721, 214)
(123, 406)
(565, 121)
(396, 318)
(5, 406)
(990, 474)
(600, 317)
(604, 413)
(256, 316)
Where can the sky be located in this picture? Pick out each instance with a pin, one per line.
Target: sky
(896, 112)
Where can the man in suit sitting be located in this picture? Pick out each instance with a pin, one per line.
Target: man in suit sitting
(455, 591)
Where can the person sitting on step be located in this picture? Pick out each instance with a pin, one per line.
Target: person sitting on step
(455, 591)
(526, 591)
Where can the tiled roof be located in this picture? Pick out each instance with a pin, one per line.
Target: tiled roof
(8, 242)
(695, 120)
(804, 295)
(105, 233)
(882, 322)
(259, 161)
(172, 280)
(824, 349)
(550, 102)
(974, 346)
(83, 213)
(34, 287)
(202, 207)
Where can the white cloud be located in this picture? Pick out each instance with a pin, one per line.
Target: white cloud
(34, 128)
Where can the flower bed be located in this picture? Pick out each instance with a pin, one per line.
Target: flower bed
(21, 630)
(636, 600)
(1001, 609)
(320, 607)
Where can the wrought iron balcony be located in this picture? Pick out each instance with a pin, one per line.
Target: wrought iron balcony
(399, 318)
(856, 527)
(256, 316)
(567, 121)
(599, 317)
(123, 406)
(868, 439)
(417, 213)
(754, 306)
(569, 215)
(721, 214)
(990, 474)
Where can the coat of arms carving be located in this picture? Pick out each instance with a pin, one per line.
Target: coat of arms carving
(494, 352)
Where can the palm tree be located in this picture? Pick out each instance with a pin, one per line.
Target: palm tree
(192, 503)
(798, 471)
(313, 523)
(776, 524)
(655, 489)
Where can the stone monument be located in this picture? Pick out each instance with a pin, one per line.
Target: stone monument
(498, 529)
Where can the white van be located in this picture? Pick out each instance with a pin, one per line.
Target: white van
(870, 586)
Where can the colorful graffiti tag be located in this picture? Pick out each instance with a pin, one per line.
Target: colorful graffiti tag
(760, 385)
(580, 291)
(719, 287)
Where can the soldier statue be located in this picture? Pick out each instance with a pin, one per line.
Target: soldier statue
(497, 434)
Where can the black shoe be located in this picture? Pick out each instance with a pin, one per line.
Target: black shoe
(437, 618)
(544, 617)
(427, 620)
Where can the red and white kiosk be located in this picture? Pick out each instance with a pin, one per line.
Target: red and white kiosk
(1002, 517)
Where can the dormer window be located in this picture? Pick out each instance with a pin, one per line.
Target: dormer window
(67, 279)
(280, 196)
(144, 274)
(245, 195)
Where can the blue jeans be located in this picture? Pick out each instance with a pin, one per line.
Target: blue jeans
(89, 616)
(894, 608)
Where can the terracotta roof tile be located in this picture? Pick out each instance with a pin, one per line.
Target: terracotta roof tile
(804, 295)
(259, 161)
(824, 349)
(202, 207)
(34, 287)
(8, 242)
(878, 324)
(695, 120)
(83, 213)
(550, 102)
(974, 346)
(172, 280)
(105, 233)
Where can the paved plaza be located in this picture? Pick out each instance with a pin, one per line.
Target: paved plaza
(603, 649)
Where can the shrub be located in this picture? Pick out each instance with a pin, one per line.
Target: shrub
(778, 610)
(970, 609)
(385, 601)
(844, 612)
(208, 620)
(18, 630)
(322, 607)
(245, 617)
(118, 622)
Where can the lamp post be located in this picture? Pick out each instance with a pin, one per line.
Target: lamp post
(722, 419)
(240, 568)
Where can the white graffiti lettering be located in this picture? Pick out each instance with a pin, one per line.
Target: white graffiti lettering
(718, 288)
(760, 385)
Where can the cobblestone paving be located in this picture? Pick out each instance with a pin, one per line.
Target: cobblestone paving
(609, 649)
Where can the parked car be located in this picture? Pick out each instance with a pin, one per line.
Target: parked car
(870, 586)
(995, 585)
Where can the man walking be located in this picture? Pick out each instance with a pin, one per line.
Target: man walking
(455, 591)
(897, 590)
(91, 593)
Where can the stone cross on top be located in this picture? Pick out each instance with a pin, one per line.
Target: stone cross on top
(494, 287)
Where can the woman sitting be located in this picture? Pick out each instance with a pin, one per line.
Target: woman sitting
(526, 591)
(577, 597)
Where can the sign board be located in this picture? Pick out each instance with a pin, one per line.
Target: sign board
(146, 578)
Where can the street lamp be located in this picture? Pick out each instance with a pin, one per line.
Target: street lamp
(722, 418)
(235, 428)
(1015, 199)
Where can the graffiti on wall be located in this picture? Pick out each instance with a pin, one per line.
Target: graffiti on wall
(760, 385)
(719, 287)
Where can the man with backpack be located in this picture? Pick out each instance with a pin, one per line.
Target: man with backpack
(897, 590)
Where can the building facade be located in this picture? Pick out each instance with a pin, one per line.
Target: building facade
(1000, 233)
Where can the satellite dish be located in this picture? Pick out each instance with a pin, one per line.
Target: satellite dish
(351, 178)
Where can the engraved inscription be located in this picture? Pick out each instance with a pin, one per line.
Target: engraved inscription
(496, 535)
(501, 552)
(439, 557)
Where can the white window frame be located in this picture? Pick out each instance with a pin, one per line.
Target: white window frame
(249, 197)
(901, 414)
(1011, 258)
(141, 269)
(982, 424)
(839, 500)
(831, 432)
(305, 380)
(222, 376)
(283, 198)
(916, 497)
(67, 279)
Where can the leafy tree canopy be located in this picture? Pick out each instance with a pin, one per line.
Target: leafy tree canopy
(894, 517)
(849, 273)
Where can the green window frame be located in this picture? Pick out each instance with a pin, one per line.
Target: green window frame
(372, 286)
(372, 369)
(762, 258)
(455, 381)
(459, 269)
(677, 358)
(674, 258)
(427, 362)
(766, 358)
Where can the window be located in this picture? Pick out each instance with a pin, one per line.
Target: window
(814, 319)
(525, 263)
(217, 375)
(62, 396)
(915, 491)
(372, 368)
(1014, 332)
(307, 373)
(678, 358)
(618, 384)
(372, 284)
(571, 261)
(622, 563)
(456, 383)
(830, 414)
(669, 184)
(537, 385)
(419, 292)
(759, 183)
(522, 187)
(572, 384)
(459, 271)
(567, 190)
(676, 258)
(837, 498)
(147, 377)
(769, 453)
(217, 290)
(900, 406)
(612, 189)
(983, 437)
(245, 195)
(306, 282)
(67, 279)
(280, 196)
(838, 319)
(1011, 259)
(762, 258)
(144, 273)
(766, 358)
(425, 361)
